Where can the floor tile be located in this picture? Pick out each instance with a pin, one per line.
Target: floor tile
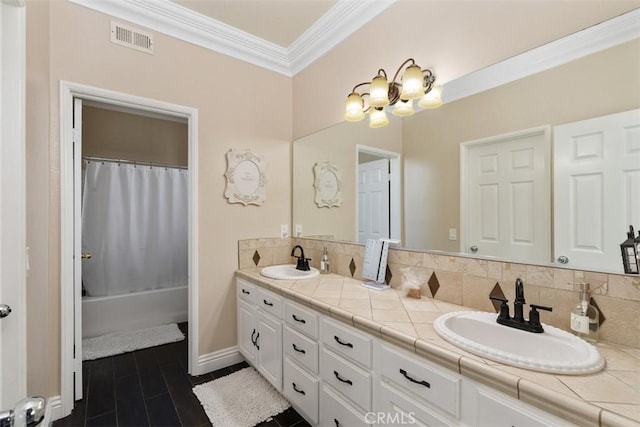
(131, 410)
(100, 392)
(162, 412)
(105, 420)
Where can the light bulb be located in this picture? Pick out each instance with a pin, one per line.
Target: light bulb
(432, 99)
(412, 83)
(403, 108)
(377, 118)
(379, 92)
(353, 111)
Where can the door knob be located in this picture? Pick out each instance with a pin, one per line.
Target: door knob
(5, 310)
(85, 255)
(474, 249)
(563, 259)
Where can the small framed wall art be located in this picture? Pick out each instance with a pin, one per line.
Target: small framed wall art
(246, 178)
(327, 184)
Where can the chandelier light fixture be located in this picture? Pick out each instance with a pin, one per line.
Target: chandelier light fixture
(415, 83)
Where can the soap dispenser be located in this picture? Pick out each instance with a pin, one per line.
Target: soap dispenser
(324, 263)
(584, 316)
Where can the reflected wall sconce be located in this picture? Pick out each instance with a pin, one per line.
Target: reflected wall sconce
(414, 83)
(631, 253)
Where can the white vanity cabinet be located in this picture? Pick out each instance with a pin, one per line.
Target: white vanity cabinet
(301, 382)
(260, 330)
(335, 375)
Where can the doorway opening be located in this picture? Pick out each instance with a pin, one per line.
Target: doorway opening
(379, 190)
(119, 158)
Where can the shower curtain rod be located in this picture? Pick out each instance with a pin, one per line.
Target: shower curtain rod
(132, 162)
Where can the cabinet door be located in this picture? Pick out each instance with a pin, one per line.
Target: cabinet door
(269, 345)
(247, 331)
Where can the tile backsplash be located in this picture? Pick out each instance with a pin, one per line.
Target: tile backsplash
(469, 281)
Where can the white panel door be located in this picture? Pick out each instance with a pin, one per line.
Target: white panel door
(507, 197)
(269, 346)
(373, 200)
(596, 189)
(247, 331)
(13, 331)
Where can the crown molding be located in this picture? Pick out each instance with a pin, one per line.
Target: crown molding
(610, 33)
(342, 20)
(169, 18)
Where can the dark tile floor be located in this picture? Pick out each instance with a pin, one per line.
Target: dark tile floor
(150, 387)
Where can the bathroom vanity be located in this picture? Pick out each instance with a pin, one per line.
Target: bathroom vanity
(340, 368)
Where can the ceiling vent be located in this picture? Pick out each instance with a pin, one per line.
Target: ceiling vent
(131, 37)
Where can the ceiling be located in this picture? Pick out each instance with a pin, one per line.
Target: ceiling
(277, 21)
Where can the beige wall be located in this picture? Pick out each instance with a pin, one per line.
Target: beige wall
(603, 83)
(337, 145)
(453, 38)
(73, 44)
(118, 135)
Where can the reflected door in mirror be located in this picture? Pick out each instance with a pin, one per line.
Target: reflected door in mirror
(373, 200)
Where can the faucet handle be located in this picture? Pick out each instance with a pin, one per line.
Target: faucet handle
(534, 316)
(504, 308)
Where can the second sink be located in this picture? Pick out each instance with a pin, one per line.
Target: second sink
(554, 351)
(288, 272)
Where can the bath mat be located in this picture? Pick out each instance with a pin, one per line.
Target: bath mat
(241, 399)
(123, 342)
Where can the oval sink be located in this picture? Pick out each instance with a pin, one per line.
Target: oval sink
(288, 272)
(554, 350)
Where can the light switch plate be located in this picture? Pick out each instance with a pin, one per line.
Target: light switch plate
(284, 231)
(298, 230)
(453, 234)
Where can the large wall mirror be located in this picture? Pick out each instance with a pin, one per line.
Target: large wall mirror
(428, 217)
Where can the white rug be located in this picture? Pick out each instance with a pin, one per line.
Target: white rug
(241, 399)
(122, 342)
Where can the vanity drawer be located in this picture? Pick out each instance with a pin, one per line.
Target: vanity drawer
(269, 302)
(421, 380)
(301, 349)
(301, 319)
(351, 381)
(347, 342)
(405, 411)
(335, 412)
(246, 291)
(301, 389)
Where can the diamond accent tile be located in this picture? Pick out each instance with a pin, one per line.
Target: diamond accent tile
(352, 267)
(388, 275)
(256, 258)
(496, 292)
(434, 285)
(601, 317)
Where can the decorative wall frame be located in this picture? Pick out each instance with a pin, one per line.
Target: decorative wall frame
(327, 184)
(246, 178)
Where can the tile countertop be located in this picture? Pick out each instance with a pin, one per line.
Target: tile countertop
(610, 397)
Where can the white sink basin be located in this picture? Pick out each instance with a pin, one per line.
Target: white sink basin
(288, 272)
(554, 350)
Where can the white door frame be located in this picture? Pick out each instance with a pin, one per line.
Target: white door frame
(13, 366)
(395, 196)
(68, 91)
(464, 177)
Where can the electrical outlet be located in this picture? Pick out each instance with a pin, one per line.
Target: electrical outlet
(284, 231)
(453, 234)
(298, 230)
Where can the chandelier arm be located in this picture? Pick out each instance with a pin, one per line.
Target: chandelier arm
(383, 72)
(358, 85)
(413, 62)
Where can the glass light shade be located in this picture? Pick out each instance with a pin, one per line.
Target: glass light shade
(353, 111)
(433, 99)
(377, 118)
(403, 108)
(379, 92)
(412, 83)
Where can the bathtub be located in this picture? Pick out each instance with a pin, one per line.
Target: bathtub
(103, 315)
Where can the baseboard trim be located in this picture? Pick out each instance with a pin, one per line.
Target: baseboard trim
(53, 410)
(217, 360)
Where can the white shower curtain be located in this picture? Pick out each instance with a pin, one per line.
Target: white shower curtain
(134, 223)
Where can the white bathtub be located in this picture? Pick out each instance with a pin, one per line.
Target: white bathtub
(103, 315)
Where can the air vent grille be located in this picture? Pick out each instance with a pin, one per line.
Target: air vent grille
(131, 37)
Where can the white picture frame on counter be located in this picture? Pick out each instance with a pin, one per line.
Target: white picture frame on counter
(246, 178)
(327, 184)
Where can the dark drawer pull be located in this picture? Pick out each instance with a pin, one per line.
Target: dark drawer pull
(337, 422)
(296, 389)
(270, 304)
(342, 379)
(299, 350)
(346, 344)
(298, 319)
(257, 337)
(253, 341)
(424, 383)
(246, 292)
